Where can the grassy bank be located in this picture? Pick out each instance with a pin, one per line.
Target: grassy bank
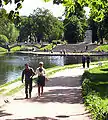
(95, 92)
(2, 51)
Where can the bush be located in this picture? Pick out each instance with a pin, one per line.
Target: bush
(3, 40)
(17, 48)
(2, 49)
(94, 91)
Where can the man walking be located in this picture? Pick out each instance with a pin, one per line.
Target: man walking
(83, 61)
(88, 61)
(28, 73)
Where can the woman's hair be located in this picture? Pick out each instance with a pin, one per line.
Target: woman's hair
(40, 63)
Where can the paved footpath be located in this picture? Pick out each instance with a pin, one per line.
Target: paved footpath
(61, 100)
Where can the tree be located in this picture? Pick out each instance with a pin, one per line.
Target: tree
(45, 25)
(13, 14)
(75, 24)
(40, 25)
(12, 33)
(98, 8)
(3, 40)
(105, 26)
(99, 29)
(24, 28)
(7, 28)
(73, 30)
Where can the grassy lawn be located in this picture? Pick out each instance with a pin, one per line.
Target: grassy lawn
(95, 92)
(48, 47)
(102, 47)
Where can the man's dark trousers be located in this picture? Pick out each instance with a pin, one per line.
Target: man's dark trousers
(28, 84)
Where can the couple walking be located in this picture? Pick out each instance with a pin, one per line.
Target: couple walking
(27, 75)
(85, 59)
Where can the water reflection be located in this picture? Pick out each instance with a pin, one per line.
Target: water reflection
(12, 65)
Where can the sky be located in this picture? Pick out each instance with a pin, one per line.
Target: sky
(29, 5)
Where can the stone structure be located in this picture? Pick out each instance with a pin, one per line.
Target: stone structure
(88, 36)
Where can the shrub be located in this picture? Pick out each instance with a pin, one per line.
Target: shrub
(3, 40)
(94, 91)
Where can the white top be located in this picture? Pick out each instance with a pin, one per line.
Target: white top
(42, 73)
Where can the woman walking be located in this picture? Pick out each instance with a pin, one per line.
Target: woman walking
(40, 71)
(83, 61)
(88, 61)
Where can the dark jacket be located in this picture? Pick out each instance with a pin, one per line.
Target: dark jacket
(28, 73)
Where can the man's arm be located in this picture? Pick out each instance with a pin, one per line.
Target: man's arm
(33, 73)
(22, 76)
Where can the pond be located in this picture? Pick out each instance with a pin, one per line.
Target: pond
(11, 65)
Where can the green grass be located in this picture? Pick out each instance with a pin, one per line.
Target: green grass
(9, 83)
(53, 70)
(17, 48)
(102, 47)
(2, 90)
(15, 90)
(3, 49)
(95, 91)
(48, 47)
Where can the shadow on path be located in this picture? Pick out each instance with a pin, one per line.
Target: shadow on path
(64, 81)
(63, 89)
(3, 113)
(49, 118)
(70, 96)
(35, 118)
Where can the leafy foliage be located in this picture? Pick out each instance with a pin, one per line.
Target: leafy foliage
(73, 30)
(7, 28)
(13, 14)
(40, 26)
(98, 8)
(3, 40)
(2, 49)
(75, 23)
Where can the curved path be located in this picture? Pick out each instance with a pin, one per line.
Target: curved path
(61, 100)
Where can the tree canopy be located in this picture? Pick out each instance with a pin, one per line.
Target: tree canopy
(40, 25)
(7, 28)
(13, 14)
(98, 8)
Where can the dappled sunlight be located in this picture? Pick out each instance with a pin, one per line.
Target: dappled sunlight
(64, 82)
(61, 95)
(62, 98)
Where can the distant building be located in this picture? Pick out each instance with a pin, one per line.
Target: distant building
(88, 36)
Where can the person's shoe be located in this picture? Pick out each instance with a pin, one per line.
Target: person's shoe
(26, 96)
(42, 93)
(38, 95)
